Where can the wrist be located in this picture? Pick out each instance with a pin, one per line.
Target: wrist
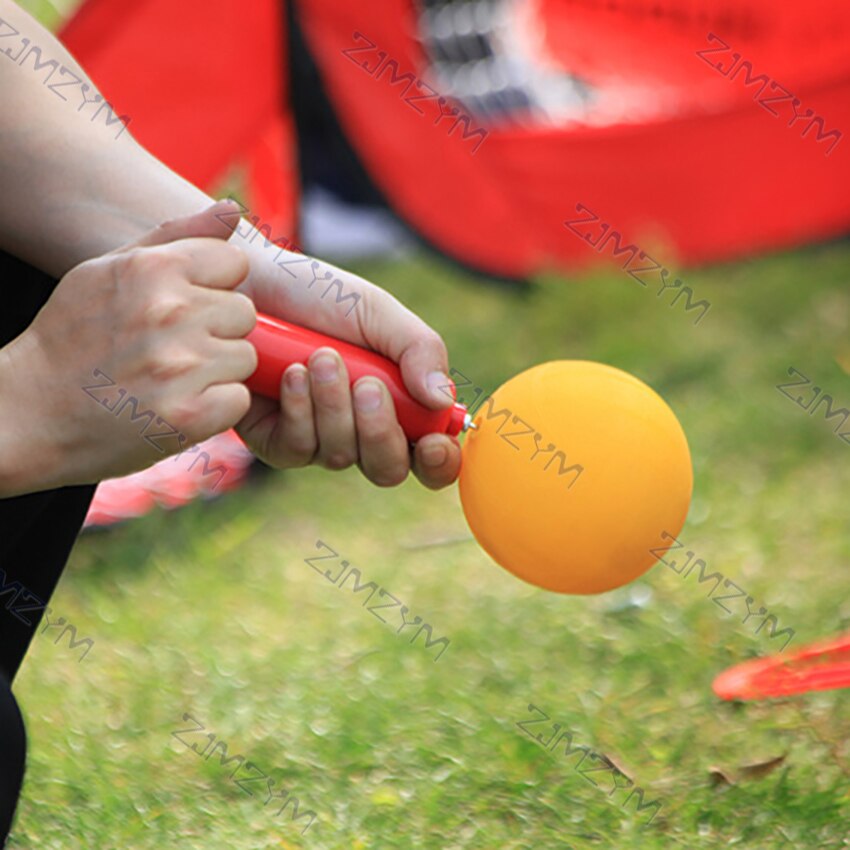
(28, 461)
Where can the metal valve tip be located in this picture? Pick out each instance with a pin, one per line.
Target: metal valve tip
(468, 424)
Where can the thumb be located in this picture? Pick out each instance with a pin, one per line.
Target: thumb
(217, 221)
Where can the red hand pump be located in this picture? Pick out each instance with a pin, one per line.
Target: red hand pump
(279, 344)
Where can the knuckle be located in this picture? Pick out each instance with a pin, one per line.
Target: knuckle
(180, 414)
(245, 310)
(303, 446)
(241, 401)
(428, 338)
(431, 337)
(332, 400)
(391, 477)
(233, 254)
(339, 460)
(302, 449)
(165, 309)
(248, 354)
(166, 364)
(378, 433)
(144, 262)
(292, 461)
(231, 260)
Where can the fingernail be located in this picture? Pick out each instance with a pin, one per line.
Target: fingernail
(295, 379)
(325, 368)
(367, 396)
(439, 386)
(434, 454)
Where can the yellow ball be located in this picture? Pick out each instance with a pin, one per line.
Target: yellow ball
(576, 472)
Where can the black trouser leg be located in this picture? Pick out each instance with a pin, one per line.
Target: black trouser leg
(37, 532)
(12, 757)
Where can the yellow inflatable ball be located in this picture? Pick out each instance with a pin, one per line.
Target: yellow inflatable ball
(576, 472)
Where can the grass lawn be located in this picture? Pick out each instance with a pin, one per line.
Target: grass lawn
(212, 612)
(211, 619)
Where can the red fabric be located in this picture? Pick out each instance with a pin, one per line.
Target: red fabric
(695, 168)
(655, 42)
(273, 179)
(718, 178)
(204, 84)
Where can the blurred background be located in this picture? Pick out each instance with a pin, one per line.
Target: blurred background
(502, 168)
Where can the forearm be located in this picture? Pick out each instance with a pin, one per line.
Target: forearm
(73, 186)
(10, 437)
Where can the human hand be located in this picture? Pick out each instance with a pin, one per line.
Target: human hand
(320, 418)
(155, 326)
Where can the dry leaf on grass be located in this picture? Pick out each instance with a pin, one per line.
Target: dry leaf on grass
(717, 776)
(762, 768)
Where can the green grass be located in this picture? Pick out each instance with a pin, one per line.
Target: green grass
(212, 611)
